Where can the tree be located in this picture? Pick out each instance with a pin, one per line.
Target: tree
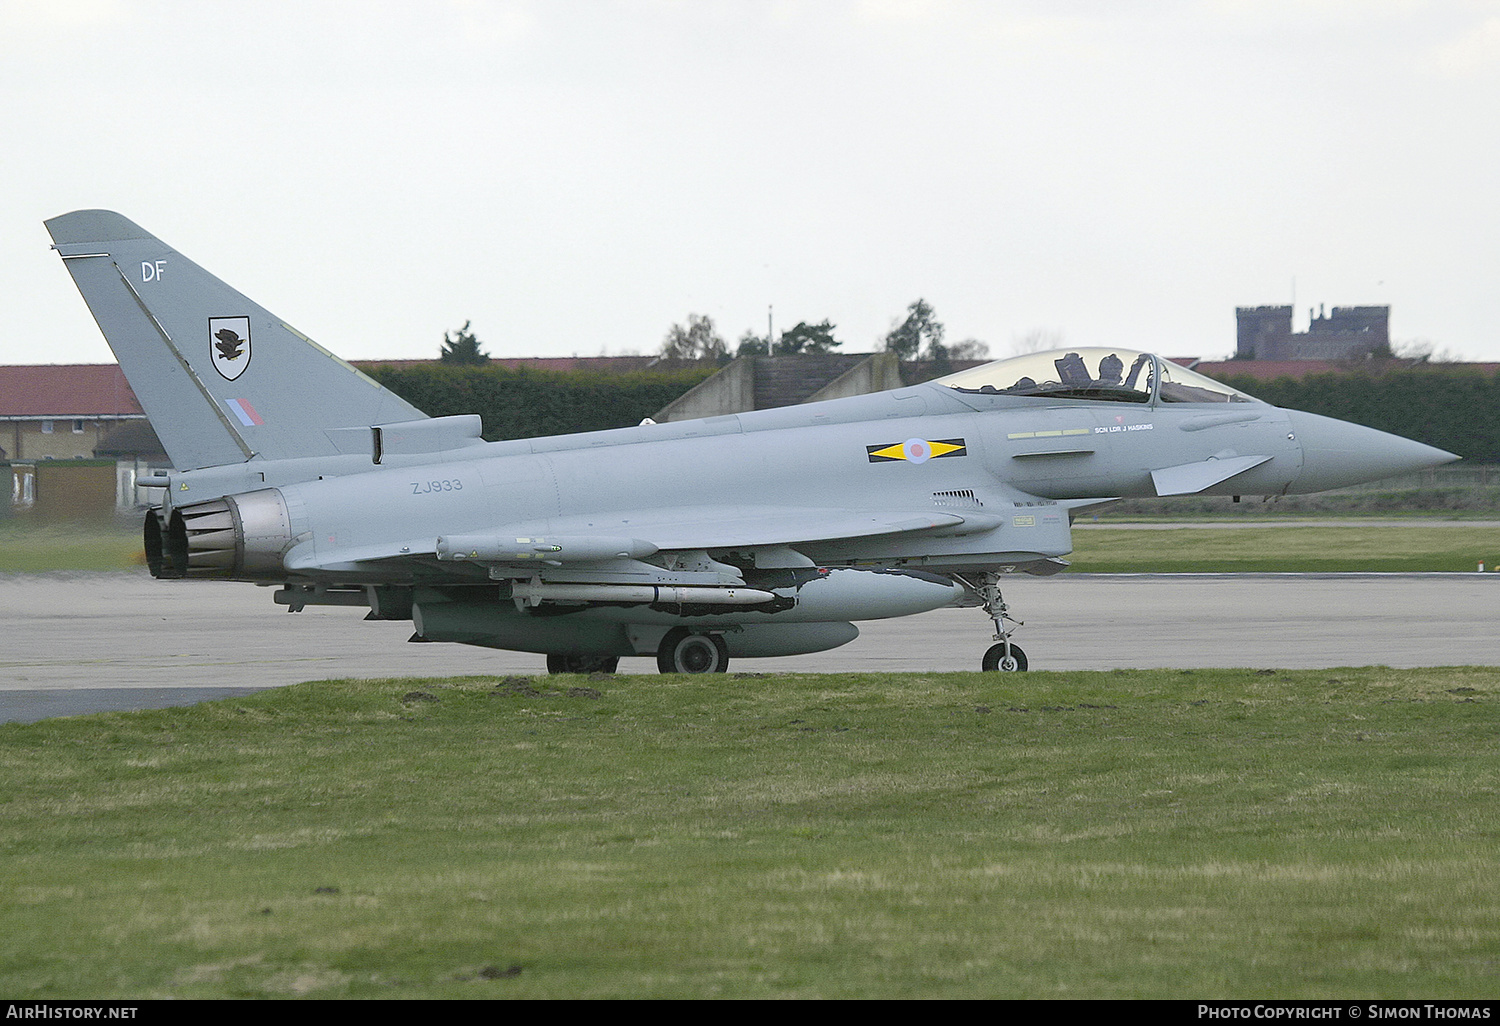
(752, 344)
(969, 349)
(698, 341)
(920, 327)
(1037, 340)
(462, 350)
(942, 355)
(807, 338)
(1420, 350)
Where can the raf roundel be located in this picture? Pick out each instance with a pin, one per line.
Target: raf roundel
(916, 450)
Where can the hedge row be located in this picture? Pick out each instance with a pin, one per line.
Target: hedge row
(1451, 408)
(526, 403)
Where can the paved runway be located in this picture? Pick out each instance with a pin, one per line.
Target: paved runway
(75, 643)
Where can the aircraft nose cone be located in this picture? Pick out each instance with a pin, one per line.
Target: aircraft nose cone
(1336, 453)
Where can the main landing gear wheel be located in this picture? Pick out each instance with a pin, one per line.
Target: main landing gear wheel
(558, 663)
(682, 651)
(996, 659)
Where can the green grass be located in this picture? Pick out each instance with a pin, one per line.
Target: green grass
(27, 548)
(1130, 834)
(1355, 548)
(1452, 501)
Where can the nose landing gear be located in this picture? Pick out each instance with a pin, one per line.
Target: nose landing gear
(1004, 656)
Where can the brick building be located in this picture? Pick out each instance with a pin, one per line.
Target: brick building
(62, 411)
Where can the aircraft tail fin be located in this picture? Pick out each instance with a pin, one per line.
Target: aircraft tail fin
(222, 379)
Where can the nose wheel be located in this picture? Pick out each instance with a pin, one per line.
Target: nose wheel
(1005, 656)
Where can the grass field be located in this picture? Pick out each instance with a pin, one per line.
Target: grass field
(1171, 834)
(1350, 547)
(29, 549)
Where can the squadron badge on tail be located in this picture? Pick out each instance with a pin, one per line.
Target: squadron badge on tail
(229, 345)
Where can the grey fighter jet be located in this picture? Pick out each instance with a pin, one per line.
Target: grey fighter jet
(759, 534)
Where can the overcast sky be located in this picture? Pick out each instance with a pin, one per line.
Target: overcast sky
(574, 176)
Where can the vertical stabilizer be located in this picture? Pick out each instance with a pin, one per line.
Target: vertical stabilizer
(222, 379)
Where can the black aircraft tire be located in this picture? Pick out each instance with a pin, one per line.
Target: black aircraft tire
(558, 663)
(993, 657)
(683, 651)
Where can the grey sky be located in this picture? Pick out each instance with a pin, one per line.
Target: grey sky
(576, 175)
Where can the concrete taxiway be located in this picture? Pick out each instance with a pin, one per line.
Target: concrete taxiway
(77, 643)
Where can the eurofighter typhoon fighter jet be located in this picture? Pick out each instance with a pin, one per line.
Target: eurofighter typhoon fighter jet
(759, 534)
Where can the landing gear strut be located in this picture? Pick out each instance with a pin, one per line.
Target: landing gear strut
(1004, 656)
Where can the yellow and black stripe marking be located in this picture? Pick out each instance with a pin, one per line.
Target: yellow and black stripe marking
(916, 450)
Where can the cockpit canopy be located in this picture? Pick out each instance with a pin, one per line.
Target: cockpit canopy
(1106, 375)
